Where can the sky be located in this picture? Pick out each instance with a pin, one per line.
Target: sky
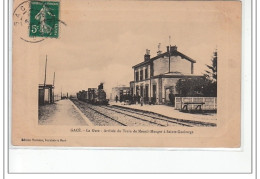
(102, 40)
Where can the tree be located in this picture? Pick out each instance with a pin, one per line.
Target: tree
(205, 85)
(211, 73)
(191, 86)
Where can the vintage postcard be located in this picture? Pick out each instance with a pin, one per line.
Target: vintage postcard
(104, 73)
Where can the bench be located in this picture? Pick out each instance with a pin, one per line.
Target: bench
(199, 105)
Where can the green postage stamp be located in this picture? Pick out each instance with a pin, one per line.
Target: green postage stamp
(44, 19)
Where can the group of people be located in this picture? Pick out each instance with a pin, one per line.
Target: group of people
(141, 100)
(131, 99)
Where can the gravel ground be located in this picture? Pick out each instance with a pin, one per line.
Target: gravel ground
(121, 115)
(95, 118)
(165, 119)
(103, 116)
(149, 118)
(129, 119)
(111, 116)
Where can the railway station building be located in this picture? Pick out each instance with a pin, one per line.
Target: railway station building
(155, 78)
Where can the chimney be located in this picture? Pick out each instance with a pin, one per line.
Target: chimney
(147, 55)
(100, 86)
(173, 48)
(159, 52)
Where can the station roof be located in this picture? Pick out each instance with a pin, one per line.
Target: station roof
(46, 86)
(173, 53)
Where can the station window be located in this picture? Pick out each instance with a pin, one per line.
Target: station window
(136, 76)
(141, 74)
(142, 91)
(146, 73)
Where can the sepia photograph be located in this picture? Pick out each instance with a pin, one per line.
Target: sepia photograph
(127, 69)
(121, 80)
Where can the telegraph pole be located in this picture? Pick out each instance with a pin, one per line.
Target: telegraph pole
(53, 79)
(53, 87)
(45, 72)
(169, 54)
(44, 84)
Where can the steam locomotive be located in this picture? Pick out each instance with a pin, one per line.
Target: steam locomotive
(95, 96)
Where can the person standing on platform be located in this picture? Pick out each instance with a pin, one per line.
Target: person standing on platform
(116, 98)
(142, 100)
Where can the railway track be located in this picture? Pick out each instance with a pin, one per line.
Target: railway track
(97, 118)
(98, 112)
(149, 118)
(123, 116)
(103, 117)
(165, 118)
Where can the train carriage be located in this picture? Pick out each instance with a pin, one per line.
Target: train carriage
(93, 96)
